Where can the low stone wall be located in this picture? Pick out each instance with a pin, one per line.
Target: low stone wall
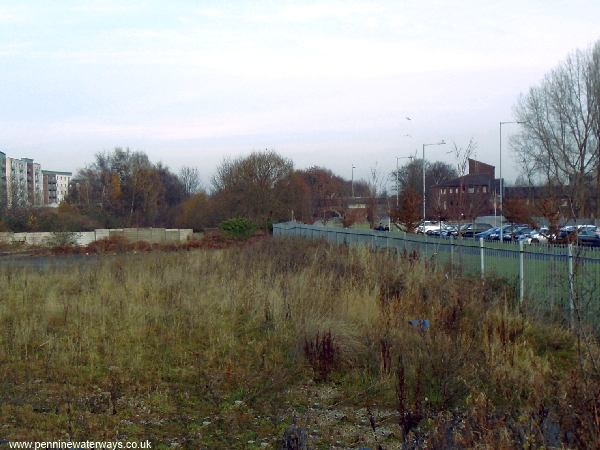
(152, 235)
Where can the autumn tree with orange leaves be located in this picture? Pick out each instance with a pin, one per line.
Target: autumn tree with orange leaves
(408, 213)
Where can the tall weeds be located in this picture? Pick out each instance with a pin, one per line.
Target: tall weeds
(159, 345)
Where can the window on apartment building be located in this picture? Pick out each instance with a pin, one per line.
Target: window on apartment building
(484, 189)
(471, 189)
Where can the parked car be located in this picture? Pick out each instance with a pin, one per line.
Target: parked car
(518, 232)
(487, 234)
(533, 237)
(507, 232)
(567, 230)
(450, 230)
(586, 228)
(474, 228)
(428, 226)
(589, 237)
(567, 234)
(494, 234)
(446, 230)
(462, 227)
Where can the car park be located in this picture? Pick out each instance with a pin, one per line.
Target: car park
(586, 235)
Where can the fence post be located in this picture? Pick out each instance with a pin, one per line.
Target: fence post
(482, 252)
(571, 287)
(521, 273)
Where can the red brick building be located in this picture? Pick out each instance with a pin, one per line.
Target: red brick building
(466, 197)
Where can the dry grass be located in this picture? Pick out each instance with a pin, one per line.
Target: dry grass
(206, 349)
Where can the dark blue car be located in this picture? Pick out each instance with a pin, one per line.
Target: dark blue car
(590, 238)
(487, 235)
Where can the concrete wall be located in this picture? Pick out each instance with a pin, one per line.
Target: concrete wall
(153, 235)
(102, 233)
(86, 237)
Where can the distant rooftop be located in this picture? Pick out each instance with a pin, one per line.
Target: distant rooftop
(55, 172)
(479, 179)
(478, 168)
(480, 174)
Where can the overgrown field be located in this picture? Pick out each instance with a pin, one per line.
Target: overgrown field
(223, 348)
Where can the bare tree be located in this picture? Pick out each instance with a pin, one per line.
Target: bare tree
(376, 185)
(252, 186)
(462, 155)
(125, 189)
(560, 137)
(409, 212)
(594, 69)
(410, 175)
(190, 179)
(16, 192)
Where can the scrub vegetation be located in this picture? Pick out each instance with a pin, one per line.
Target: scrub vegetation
(224, 348)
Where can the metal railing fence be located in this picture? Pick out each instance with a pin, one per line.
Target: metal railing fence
(558, 281)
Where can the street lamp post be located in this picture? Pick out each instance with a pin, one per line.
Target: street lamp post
(442, 142)
(397, 184)
(352, 182)
(502, 180)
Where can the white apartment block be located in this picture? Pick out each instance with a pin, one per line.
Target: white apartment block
(3, 196)
(56, 186)
(24, 183)
(16, 183)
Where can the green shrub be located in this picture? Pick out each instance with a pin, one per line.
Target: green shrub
(269, 226)
(238, 228)
(62, 239)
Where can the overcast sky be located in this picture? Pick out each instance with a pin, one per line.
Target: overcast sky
(324, 83)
